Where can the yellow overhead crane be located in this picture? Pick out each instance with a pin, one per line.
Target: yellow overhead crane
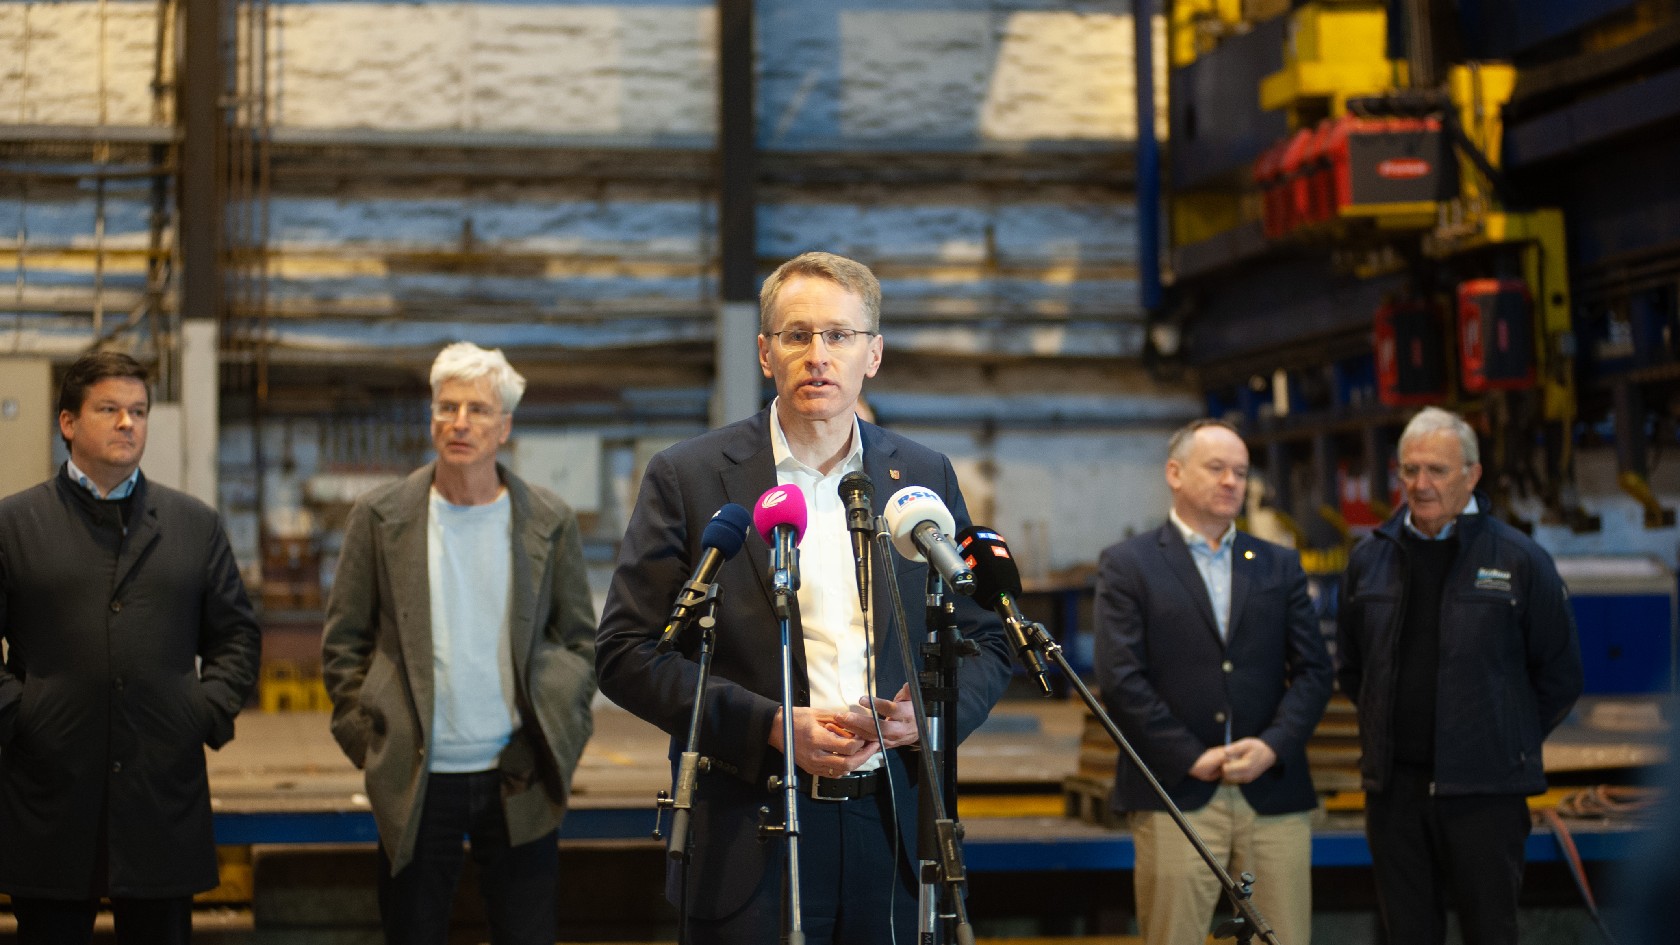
(1335, 59)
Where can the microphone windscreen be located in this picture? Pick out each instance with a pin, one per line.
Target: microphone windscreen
(727, 531)
(987, 555)
(859, 485)
(780, 505)
(909, 507)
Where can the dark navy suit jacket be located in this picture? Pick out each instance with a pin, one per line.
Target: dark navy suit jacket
(682, 488)
(1172, 684)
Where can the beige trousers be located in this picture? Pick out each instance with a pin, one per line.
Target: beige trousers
(1177, 894)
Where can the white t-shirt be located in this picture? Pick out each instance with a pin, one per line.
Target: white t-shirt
(469, 570)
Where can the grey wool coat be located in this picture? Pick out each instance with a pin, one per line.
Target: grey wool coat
(377, 657)
(129, 653)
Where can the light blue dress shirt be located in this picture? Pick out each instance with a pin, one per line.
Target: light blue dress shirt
(1214, 563)
(1470, 508)
(123, 489)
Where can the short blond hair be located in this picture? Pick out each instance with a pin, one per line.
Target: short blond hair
(848, 274)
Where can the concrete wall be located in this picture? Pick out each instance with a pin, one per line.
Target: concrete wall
(1010, 268)
(955, 69)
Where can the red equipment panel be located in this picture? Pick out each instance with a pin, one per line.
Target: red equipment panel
(1411, 352)
(1495, 335)
(1379, 161)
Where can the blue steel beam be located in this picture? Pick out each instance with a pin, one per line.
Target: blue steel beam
(1097, 851)
(1595, 120)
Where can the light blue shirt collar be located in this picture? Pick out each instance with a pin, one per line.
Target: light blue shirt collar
(1193, 537)
(1213, 563)
(123, 489)
(1471, 507)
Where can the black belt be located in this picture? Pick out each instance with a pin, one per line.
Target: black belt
(849, 788)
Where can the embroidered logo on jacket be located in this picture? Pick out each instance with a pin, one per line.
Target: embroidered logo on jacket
(1492, 579)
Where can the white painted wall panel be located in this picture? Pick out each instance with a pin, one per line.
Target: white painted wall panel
(915, 74)
(1052, 75)
(58, 66)
(584, 70)
(989, 75)
(1060, 75)
(369, 66)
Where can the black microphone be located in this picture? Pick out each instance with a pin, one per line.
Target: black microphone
(857, 490)
(921, 526)
(723, 537)
(997, 582)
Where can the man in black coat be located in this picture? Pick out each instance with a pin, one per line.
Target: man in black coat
(131, 646)
(1457, 643)
(854, 733)
(1212, 663)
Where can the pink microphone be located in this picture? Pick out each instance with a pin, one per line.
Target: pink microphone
(780, 507)
(780, 518)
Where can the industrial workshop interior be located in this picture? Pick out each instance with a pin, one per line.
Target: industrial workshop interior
(1093, 223)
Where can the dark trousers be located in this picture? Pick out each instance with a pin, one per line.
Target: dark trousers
(70, 921)
(1427, 850)
(849, 889)
(519, 884)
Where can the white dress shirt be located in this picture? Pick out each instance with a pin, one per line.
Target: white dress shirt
(836, 643)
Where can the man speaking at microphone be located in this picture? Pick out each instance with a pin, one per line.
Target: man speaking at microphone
(1211, 661)
(819, 339)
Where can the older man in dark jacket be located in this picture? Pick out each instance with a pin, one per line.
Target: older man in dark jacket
(131, 646)
(1457, 644)
(459, 652)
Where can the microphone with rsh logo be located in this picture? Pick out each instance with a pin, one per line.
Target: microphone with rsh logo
(722, 538)
(921, 527)
(997, 582)
(780, 517)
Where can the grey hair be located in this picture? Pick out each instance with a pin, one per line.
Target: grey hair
(848, 274)
(465, 361)
(1178, 447)
(1435, 420)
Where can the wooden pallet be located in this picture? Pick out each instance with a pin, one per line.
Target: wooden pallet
(1087, 800)
(1332, 755)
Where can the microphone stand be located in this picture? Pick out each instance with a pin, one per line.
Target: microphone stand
(940, 835)
(680, 800)
(785, 584)
(1247, 922)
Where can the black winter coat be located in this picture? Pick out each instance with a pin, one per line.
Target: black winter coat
(1510, 664)
(105, 708)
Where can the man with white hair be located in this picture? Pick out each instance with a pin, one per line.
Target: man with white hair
(1457, 644)
(459, 653)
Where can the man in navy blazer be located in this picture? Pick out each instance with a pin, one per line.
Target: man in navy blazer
(1212, 663)
(853, 724)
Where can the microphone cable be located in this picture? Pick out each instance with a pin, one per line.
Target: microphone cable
(886, 768)
(884, 549)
